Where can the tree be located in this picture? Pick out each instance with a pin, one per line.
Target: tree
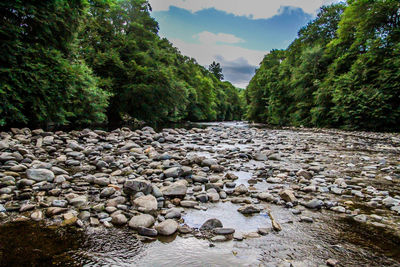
(42, 79)
(341, 71)
(215, 68)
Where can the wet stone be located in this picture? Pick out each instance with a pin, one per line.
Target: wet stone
(223, 231)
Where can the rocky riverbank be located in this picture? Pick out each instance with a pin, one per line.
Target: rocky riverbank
(151, 182)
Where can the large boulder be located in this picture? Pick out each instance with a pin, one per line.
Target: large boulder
(79, 201)
(209, 162)
(287, 195)
(142, 220)
(211, 224)
(173, 172)
(119, 219)
(167, 227)
(146, 203)
(131, 187)
(177, 189)
(40, 175)
(249, 209)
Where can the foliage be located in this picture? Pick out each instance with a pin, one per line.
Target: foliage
(42, 81)
(215, 68)
(341, 71)
(86, 61)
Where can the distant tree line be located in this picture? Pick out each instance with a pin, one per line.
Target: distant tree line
(343, 70)
(80, 62)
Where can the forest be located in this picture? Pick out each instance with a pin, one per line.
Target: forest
(342, 71)
(83, 62)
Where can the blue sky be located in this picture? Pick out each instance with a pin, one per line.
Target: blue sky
(235, 33)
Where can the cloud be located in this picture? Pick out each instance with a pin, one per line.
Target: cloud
(205, 53)
(255, 9)
(206, 37)
(239, 72)
(238, 64)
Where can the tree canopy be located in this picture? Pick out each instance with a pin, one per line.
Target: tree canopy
(341, 71)
(215, 68)
(92, 61)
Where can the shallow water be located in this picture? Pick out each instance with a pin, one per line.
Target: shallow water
(29, 244)
(227, 213)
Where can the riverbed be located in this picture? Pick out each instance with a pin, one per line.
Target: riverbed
(333, 194)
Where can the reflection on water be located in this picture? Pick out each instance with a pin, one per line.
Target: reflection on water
(195, 252)
(29, 244)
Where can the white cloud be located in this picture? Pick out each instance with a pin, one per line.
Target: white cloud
(205, 53)
(229, 56)
(206, 37)
(256, 9)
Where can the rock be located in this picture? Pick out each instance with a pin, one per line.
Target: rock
(265, 196)
(157, 192)
(304, 174)
(396, 209)
(389, 202)
(264, 231)
(306, 219)
(211, 224)
(61, 203)
(186, 171)
(174, 172)
(203, 198)
(40, 175)
(84, 215)
(102, 181)
(287, 195)
(249, 209)
(177, 189)
(37, 215)
(241, 189)
(219, 238)
(339, 209)
(116, 201)
(146, 203)
(223, 231)
(213, 196)
(209, 162)
(274, 180)
(143, 220)
(69, 219)
(131, 187)
(332, 262)
(147, 231)
(362, 218)
(252, 235)
(119, 219)
(106, 192)
(199, 179)
(173, 214)
(79, 201)
(314, 204)
(55, 211)
(188, 203)
(217, 168)
(167, 227)
(185, 229)
(94, 221)
(2, 209)
(27, 207)
(238, 236)
(260, 157)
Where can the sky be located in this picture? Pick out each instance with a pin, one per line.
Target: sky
(235, 33)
